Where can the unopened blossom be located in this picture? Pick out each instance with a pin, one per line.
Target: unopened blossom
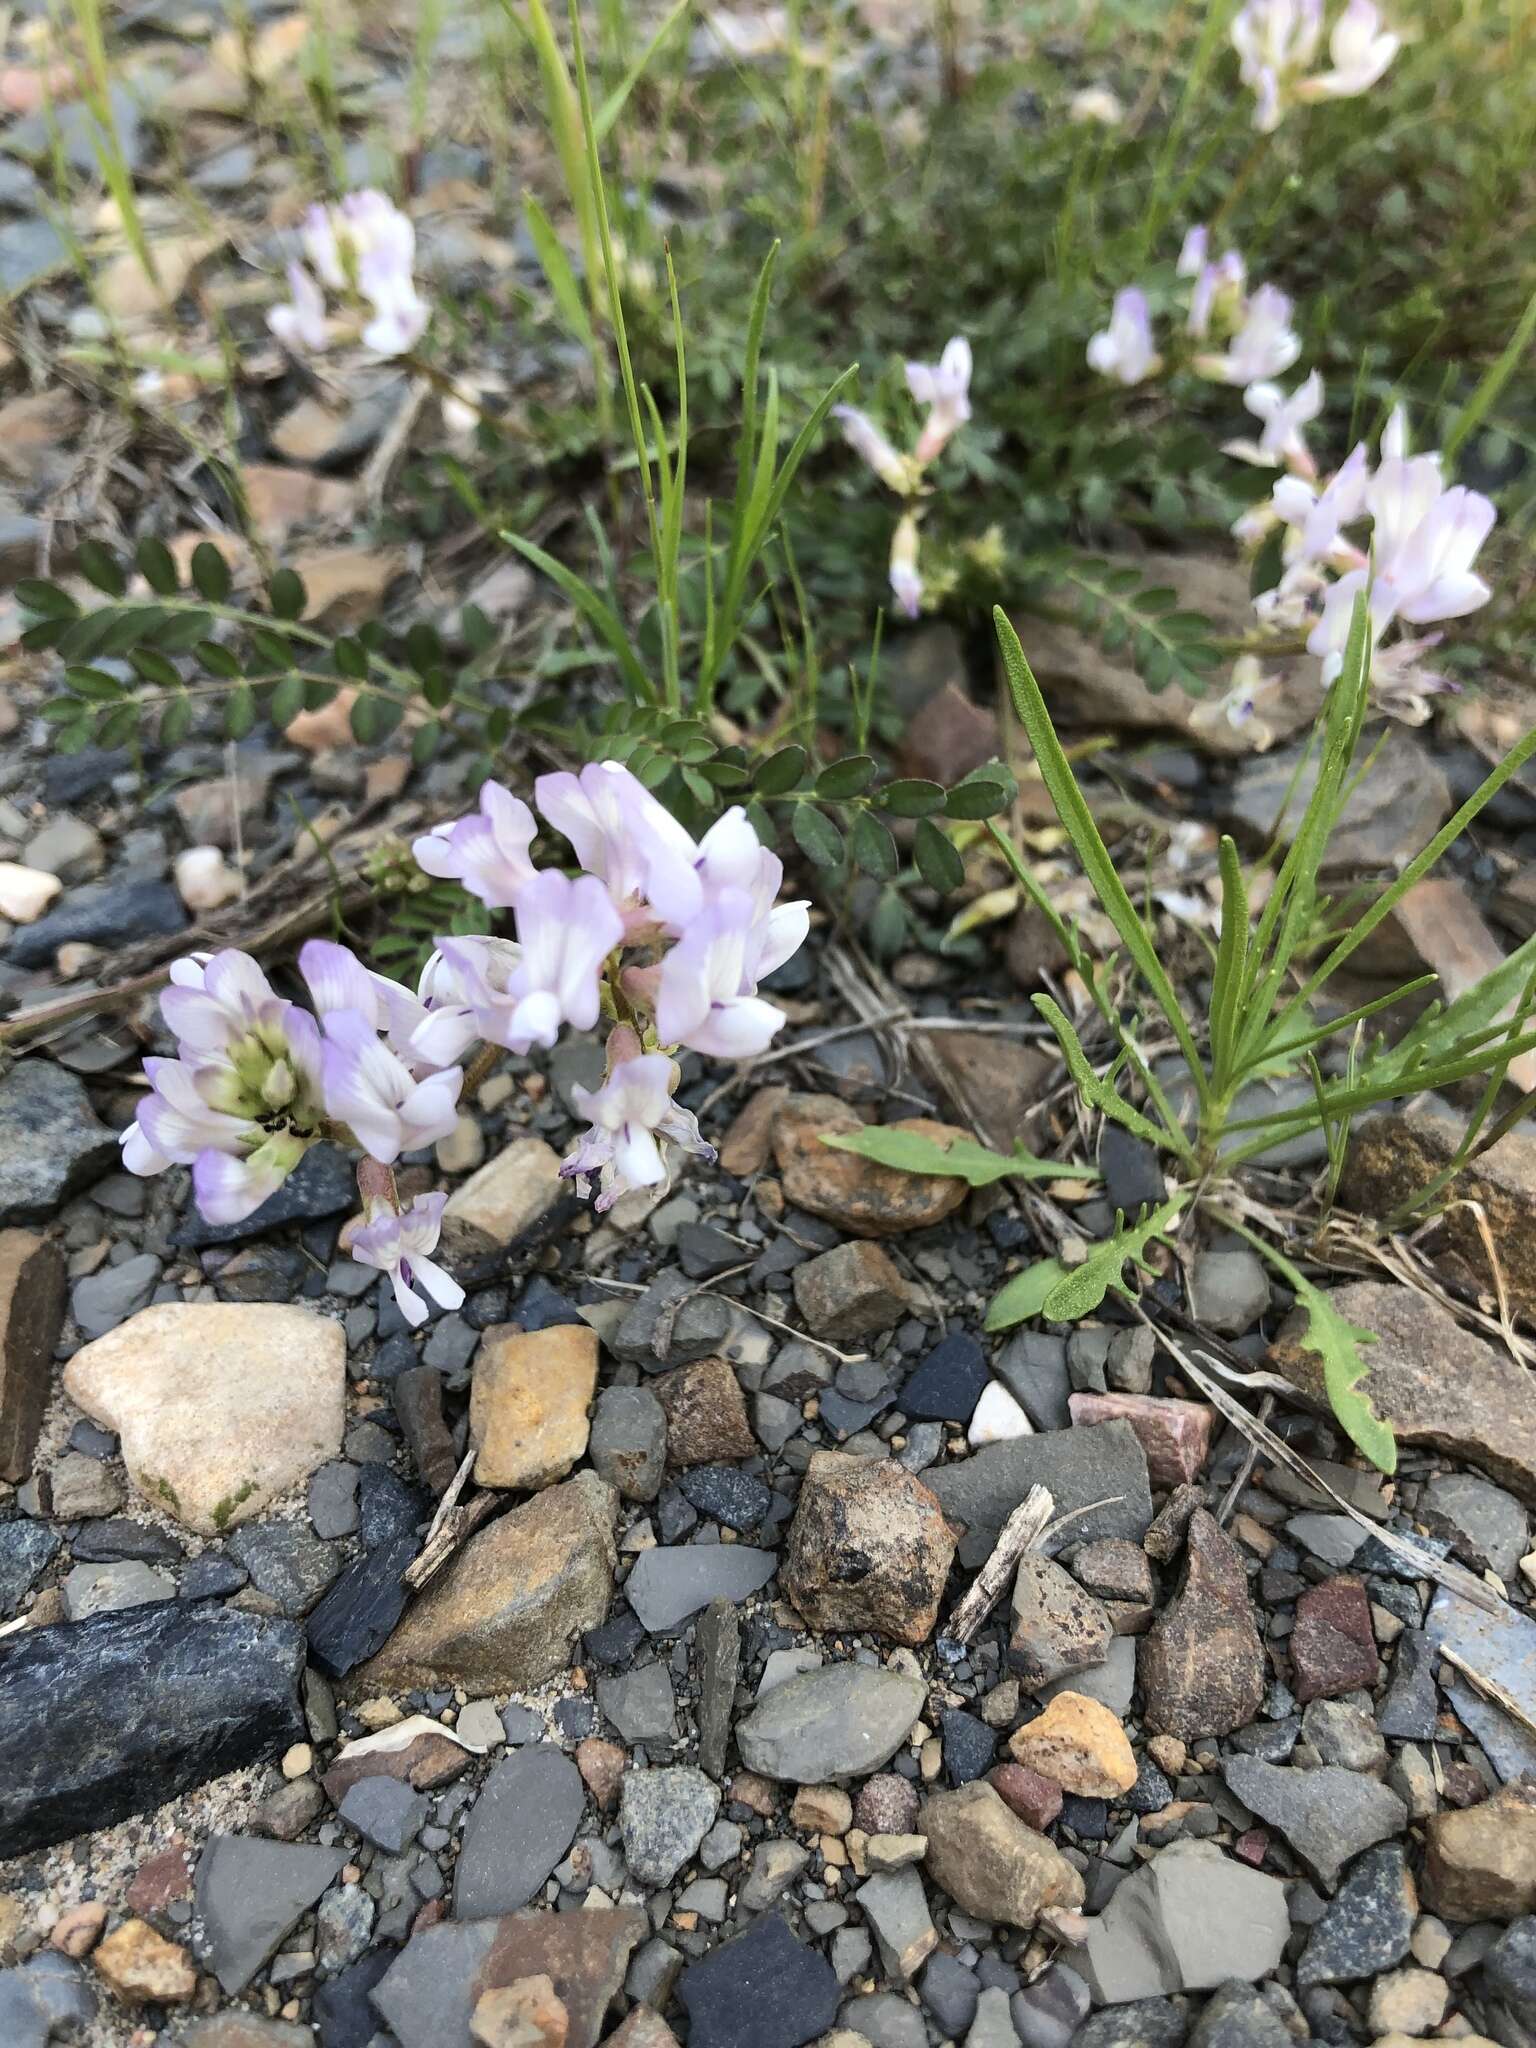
(906, 577)
(944, 387)
(1282, 443)
(1216, 303)
(1098, 104)
(895, 470)
(616, 826)
(1124, 349)
(1361, 48)
(400, 1242)
(706, 987)
(372, 1090)
(632, 1122)
(1194, 251)
(1402, 686)
(241, 1101)
(487, 851)
(1264, 346)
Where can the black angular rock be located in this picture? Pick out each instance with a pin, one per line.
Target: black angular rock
(969, 1746)
(737, 1499)
(343, 2011)
(1368, 1924)
(322, 1184)
(111, 1542)
(763, 1989)
(387, 1507)
(717, 1659)
(1411, 1710)
(25, 1547)
(109, 914)
(352, 1621)
(112, 1716)
(948, 1383)
(541, 1306)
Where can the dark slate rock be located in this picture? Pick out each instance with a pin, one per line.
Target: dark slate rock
(286, 1561)
(112, 1716)
(106, 914)
(1329, 1816)
(1509, 1983)
(948, 1383)
(518, 1829)
(726, 1495)
(68, 777)
(1101, 1462)
(1087, 1818)
(950, 1992)
(640, 1704)
(249, 1892)
(430, 1991)
(1237, 2017)
(333, 1500)
(212, 1577)
(25, 1547)
(343, 2010)
(1373, 1556)
(322, 1184)
(1033, 1367)
(615, 1642)
(1147, 2023)
(48, 1999)
(669, 1584)
(705, 1250)
(117, 1540)
(356, 1617)
(1151, 1791)
(1410, 1711)
(85, 1436)
(1133, 1173)
(575, 1719)
(1367, 1926)
(762, 1989)
(387, 1506)
(51, 1143)
(717, 1659)
(969, 1745)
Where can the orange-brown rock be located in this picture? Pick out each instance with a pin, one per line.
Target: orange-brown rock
(529, 1402)
(872, 1200)
(143, 1967)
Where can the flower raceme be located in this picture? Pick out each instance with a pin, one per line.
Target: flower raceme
(362, 251)
(1277, 42)
(666, 936)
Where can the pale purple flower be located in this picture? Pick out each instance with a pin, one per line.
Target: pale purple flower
(1194, 251)
(400, 1243)
(1275, 41)
(486, 851)
(566, 930)
(894, 469)
(705, 988)
(1361, 49)
(1426, 574)
(300, 325)
(906, 577)
(1217, 297)
(1317, 518)
(944, 387)
(1124, 349)
(629, 1117)
(241, 1102)
(1241, 708)
(1282, 443)
(371, 1089)
(438, 1025)
(730, 856)
(616, 826)
(1264, 346)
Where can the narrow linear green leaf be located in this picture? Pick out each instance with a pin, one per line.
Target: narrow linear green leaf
(1024, 1295)
(962, 1159)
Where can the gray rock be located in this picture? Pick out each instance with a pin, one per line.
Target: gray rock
(672, 1582)
(82, 1488)
(1328, 1816)
(29, 251)
(884, 2020)
(343, 1924)
(1367, 1926)
(993, 2024)
(628, 1443)
(1189, 1920)
(640, 1703)
(1411, 1709)
(109, 1588)
(1237, 2017)
(385, 1811)
(1485, 1525)
(25, 1548)
(1103, 1462)
(1048, 2013)
(248, 1895)
(518, 1829)
(286, 1561)
(106, 1298)
(663, 1817)
(51, 1144)
(333, 1508)
(1057, 1628)
(950, 1992)
(1502, 1645)
(1333, 1538)
(1112, 1683)
(1229, 1291)
(104, 914)
(1345, 1735)
(48, 1999)
(775, 1866)
(671, 1324)
(717, 1660)
(896, 1907)
(845, 1720)
(1148, 2023)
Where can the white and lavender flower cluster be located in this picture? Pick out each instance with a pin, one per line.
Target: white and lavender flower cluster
(1416, 561)
(363, 252)
(1277, 42)
(944, 388)
(666, 937)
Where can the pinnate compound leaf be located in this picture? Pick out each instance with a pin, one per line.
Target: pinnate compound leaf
(1083, 1289)
(961, 1159)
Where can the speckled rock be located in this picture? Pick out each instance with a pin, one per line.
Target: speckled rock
(1202, 1664)
(868, 1548)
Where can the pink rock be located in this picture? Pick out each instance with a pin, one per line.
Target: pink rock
(1176, 1435)
(1034, 1799)
(1252, 1847)
(1333, 1645)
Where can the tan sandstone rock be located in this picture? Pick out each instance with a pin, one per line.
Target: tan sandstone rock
(529, 1403)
